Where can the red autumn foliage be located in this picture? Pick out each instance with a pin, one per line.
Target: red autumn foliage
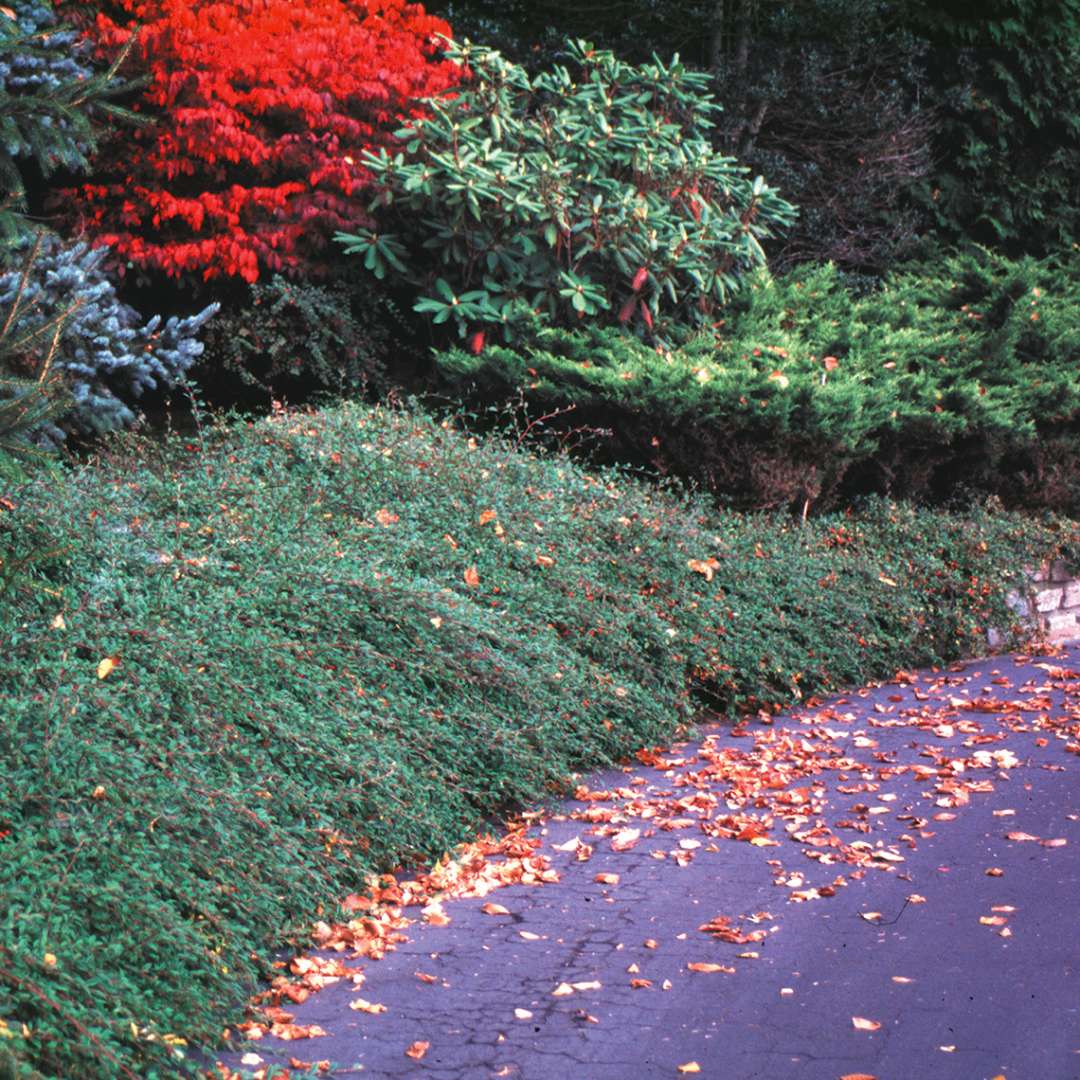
(264, 109)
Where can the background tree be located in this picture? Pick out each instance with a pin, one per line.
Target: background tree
(883, 120)
(72, 355)
(1005, 78)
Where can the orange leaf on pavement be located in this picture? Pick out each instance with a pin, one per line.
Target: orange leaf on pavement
(417, 1050)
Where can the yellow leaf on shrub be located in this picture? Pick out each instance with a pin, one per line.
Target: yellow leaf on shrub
(106, 666)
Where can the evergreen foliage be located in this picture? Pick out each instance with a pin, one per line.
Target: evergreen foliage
(307, 683)
(27, 405)
(1006, 79)
(67, 318)
(51, 102)
(883, 120)
(587, 194)
(961, 372)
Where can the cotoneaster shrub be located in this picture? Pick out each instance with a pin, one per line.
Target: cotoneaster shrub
(587, 194)
(264, 109)
(338, 642)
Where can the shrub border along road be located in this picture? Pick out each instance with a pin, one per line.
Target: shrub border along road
(244, 670)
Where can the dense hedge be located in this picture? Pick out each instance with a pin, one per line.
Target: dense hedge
(962, 373)
(240, 670)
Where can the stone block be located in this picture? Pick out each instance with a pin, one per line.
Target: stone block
(1072, 595)
(994, 638)
(1041, 574)
(1049, 599)
(1061, 625)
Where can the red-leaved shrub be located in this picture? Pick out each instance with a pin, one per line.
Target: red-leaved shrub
(263, 109)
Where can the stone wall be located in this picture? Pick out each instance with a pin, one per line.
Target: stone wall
(1051, 603)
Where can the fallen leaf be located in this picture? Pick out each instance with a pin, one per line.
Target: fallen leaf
(888, 856)
(994, 871)
(386, 518)
(523, 1014)
(858, 1076)
(494, 909)
(288, 1032)
(947, 1049)
(625, 839)
(860, 1023)
(993, 920)
(915, 898)
(570, 845)
(360, 1005)
(870, 916)
(902, 979)
(528, 935)
(650, 943)
(425, 978)
(1057, 842)
(58, 623)
(107, 666)
(707, 567)
(562, 990)
(417, 1050)
(690, 1067)
(472, 577)
(486, 516)
(640, 984)
(707, 967)
(606, 879)
(593, 985)
(1020, 836)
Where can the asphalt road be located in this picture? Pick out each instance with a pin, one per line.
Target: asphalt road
(875, 917)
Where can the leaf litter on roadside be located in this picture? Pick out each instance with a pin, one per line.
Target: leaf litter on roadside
(767, 789)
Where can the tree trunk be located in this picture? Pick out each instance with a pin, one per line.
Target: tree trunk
(716, 47)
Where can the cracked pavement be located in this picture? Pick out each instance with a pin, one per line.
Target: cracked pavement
(881, 884)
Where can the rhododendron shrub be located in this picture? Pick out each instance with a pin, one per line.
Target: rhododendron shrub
(265, 109)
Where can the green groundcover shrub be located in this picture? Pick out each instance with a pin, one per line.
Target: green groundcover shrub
(963, 372)
(244, 669)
